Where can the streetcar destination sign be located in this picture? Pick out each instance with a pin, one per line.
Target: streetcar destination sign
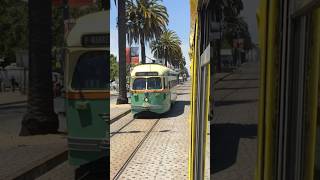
(146, 73)
(96, 40)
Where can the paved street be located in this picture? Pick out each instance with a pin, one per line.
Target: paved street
(153, 148)
(234, 129)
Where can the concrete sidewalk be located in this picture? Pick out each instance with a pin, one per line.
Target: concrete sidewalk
(118, 110)
(234, 128)
(7, 98)
(26, 157)
(21, 155)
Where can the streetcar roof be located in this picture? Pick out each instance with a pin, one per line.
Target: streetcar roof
(160, 69)
(95, 23)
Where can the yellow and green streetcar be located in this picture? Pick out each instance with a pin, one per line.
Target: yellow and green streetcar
(153, 88)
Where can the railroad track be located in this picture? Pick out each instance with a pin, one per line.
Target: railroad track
(113, 120)
(122, 127)
(124, 166)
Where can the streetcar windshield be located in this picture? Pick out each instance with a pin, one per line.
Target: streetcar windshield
(154, 83)
(91, 71)
(139, 84)
(147, 83)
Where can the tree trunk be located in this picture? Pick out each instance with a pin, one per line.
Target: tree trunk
(166, 59)
(143, 51)
(122, 98)
(40, 117)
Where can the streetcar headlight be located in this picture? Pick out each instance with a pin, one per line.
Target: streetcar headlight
(146, 99)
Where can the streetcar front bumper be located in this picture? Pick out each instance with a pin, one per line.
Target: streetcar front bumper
(147, 107)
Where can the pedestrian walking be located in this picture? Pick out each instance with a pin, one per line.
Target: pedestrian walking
(0, 84)
(13, 84)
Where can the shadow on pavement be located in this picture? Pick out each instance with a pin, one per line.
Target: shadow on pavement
(176, 110)
(126, 132)
(228, 103)
(182, 94)
(225, 141)
(95, 170)
(242, 79)
(237, 88)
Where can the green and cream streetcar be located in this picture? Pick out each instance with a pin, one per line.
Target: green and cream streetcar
(153, 88)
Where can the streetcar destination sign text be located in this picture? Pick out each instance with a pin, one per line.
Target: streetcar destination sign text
(96, 40)
(146, 73)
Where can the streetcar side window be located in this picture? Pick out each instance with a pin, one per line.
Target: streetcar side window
(164, 83)
(139, 84)
(91, 71)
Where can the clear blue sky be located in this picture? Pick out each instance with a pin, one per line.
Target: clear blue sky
(179, 21)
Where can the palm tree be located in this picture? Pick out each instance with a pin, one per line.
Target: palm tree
(167, 47)
(40, 117)
(147, 19)
(122, 98)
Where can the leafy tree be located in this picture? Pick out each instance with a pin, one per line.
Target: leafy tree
(14, 28)
(146, 20)
(114, 68)
(75, 13)
(236, 27)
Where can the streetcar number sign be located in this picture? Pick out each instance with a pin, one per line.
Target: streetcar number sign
(96, 40)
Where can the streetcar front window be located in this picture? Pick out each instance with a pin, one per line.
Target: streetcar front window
(139, 84)
(154, 83)
(91, 71)
(147, 83)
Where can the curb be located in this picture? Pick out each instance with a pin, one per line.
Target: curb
(223, 77)
(13, 103)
